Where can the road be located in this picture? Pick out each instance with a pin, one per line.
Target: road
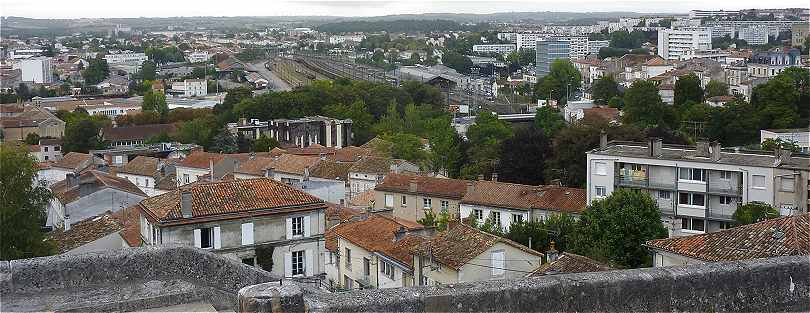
(275, 83)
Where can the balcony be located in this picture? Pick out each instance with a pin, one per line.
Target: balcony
(636, 179)
(721, 214)
(725, 189)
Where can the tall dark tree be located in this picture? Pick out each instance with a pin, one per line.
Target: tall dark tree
(514, 166)
(225, 142)
(148, 70)
(23, 202)
(549, 121)
(615, 229)
(562, 80)
(82, 136)
(457, 61)
(716, 88)
(643, 106)
(688, 88)
(753, 212)
(603, 89)
(96, 71)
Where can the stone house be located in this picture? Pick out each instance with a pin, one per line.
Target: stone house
(410, 196)
(90, 193)
(147, 173)
(366, 173)
(257, 221)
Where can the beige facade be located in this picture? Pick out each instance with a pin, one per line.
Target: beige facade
(501, 261)
(356, 268)
(412, 207)
(799, 32)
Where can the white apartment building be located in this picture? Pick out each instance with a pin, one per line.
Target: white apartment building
(112, 109)
(126, 57)
(697, 14)
(25, 53)
(192, 87)
(698, 188)
(495, 48)
(799, 136)
(341, 39)
(198, 57)
(38, 70)
(673, 43)
(595, 45)
(510, 37)
(528, 40)
(753, 35)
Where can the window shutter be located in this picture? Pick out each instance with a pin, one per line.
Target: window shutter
(197, 238)
(308, 258)
(497, 263)
(247, 234)
(287, 263)
(289, 228)
(217, 242)
(306, 226)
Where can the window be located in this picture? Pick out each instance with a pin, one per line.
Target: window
(298, 226)
(497, 263)
(636, 168)
(601, 191)
(695, 199)
(496, 218)
(445, 205)
(348, 259)
(387, 269)
(693, 174)
(185, 178)
(423, 280)
(46, 149)
(249, 261)
(479, 214)
(46, 158)
(758, 181)
(726, 200)
(725, 175)
(247, 234)
(663, 194)
(426, 203)
(57, 148)
(297, 263)
(404, 200)
(693, 224)
(366, 266)
(788, 184)
(517, 218)
(348, 283)
(206, 240)
(726, 225)
(600, 168)
(118, 159)
(389, 201)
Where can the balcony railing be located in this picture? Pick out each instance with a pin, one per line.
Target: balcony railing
(727, 215)
(726, 189)
(631, 180)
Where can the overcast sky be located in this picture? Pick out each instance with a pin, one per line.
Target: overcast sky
(167, 8)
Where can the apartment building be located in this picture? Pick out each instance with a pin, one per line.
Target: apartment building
(37, 70)
(494, 48)
(258, 221)
(126, 57)
(753, 35)
(699, 187)
(528, 40)
(595, 45)
(673, 43)
(191, 88)
(798, 136)
(548, 51)
(369, 171)
(410, 196)
(372, 252)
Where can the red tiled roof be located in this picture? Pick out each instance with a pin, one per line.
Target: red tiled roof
(341, 214)
(372, 165)
(783, 236)
(570, 263)
(350, 154)
(608, 114)
(330, 169)
(74, 161)
(461, 243)
(137, 132)
(101, 180)
(230, 197)
(508, 195)
(84, 232)
(255, 167)
(130, 218)
(141, 165)
(201, 159)
(433, 186)
(376, 234)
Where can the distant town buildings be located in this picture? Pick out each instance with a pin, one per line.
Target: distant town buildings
(549, 50)
(36, 69)
(126, 57)
(674, 43)
(494, 48)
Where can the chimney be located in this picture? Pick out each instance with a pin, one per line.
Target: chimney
(470, 187)
(494, 176)
(67, 221)
(603, 140)
(306, 173)
(714, 151)
(211, 169)
(655, 146)
(702, 148)
(552, 253)
(185, 203)
(412, 185)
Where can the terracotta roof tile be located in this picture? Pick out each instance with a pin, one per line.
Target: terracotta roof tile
(130, 218)
(570, 263)
(141, 165)
(74, 161)
(351, 154)
(516, 196)
(100, 180)
(85, 231)
(341, 214)
(255, 167)
(784, 236)
(376, 234)
(330, 169)
(372, 165)
(227, 197)
(138, 132)
(201, 159)
(433, 186)
(461, 243)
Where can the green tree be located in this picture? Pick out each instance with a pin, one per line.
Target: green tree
(407, 146)
(233, 97)
(264, 143)
(148, 70)
(549, 121)
(23, 202)
(83, 135)
(96, 71)
(753, 212)
(391, 122)
(614, 229)
(155, 102)
(199, 131)
(32, 139)
(225, 142)
(485, 136)
(687, 88)
(562, 80)
(716, 88)
(735, 124)
(457, 61)
(643, 106)
(437, 220)
(358, 113)
(603, 89)
(771, 144)
(514, 166)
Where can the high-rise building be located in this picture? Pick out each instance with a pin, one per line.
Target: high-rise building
(38, 70)
(673, 43)
(753, 35)
(548, 50)
(595, 45)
